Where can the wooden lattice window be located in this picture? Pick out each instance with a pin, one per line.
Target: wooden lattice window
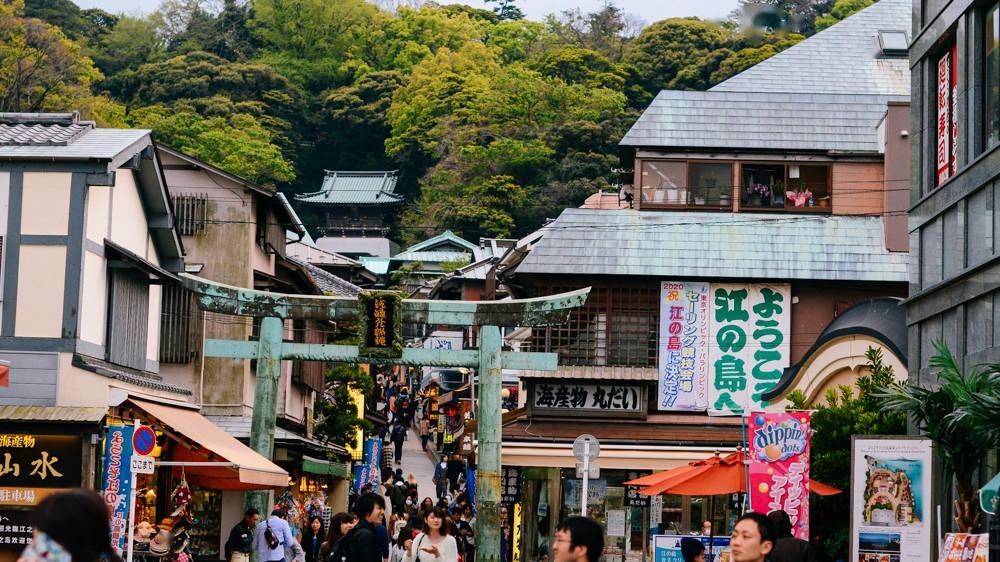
(176, 325)
(127, 319)
(190, 213)
(616, 327)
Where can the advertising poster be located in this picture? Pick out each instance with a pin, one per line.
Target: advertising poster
(596, 490)
(683, 345)
(891, 500)
(667, 548)
(749, 344)
(369, 472)
(965, 547)
(779, 466)
(116, 480)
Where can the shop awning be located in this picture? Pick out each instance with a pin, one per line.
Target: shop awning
(325, 468)
(249, 470)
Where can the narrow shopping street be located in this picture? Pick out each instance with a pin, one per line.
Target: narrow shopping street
(420, 464)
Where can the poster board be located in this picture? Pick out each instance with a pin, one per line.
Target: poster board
(667, 548)
(779, 466)
(891, 503)
(683, 346)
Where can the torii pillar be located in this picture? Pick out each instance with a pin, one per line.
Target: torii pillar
(490, 359)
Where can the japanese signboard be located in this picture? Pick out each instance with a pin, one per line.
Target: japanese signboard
(947, 116)
(510, 485)
(667, 548)
(634, 499)
(39, 461)
(15, 529)
(368, 471)
(381, 324)
(683, 342)
(891, 499)
(116, 480)
(600, 397)
(779, 466)
(748, 344)
(965, 547)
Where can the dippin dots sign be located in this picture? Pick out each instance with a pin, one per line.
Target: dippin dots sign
(779, 466)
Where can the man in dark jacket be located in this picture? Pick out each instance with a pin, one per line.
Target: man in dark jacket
(363, 543)
(240, 542)
(398, 436)
(788, 548)
(456, 468)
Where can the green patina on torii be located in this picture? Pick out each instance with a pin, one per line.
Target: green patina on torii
(490, 358)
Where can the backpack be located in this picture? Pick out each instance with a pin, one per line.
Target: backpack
(269, 537)
(342, 551)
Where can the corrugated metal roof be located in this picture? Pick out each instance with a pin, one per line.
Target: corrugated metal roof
(716, 245)
(355, 188)
(52, 414)
(357, 245)
(741, 120)
(843, 58)
(596, 373)
(377, 265)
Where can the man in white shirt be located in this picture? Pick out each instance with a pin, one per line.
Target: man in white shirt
(281, 532)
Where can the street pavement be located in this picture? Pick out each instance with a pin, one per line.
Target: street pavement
(417, 461)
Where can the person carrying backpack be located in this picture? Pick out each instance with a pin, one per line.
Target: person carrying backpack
(362, 543)
(398, 436)
(273, 534)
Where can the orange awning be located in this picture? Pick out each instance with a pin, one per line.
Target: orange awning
(249, 470)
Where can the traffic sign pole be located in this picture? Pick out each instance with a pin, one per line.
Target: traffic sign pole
(131, 508)
(586, 477)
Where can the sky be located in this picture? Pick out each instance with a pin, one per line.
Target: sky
(647, 10)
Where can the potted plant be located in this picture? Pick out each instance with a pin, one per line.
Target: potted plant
(760, 195)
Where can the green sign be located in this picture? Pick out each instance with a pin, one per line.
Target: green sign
(380, 324)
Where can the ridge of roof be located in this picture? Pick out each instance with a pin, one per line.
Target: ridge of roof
(446, 236)
(355, 187)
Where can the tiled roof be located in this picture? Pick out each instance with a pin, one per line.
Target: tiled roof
(432, 257)
(716, 245)
(827, 122)
(328, 282)
(357, 245)
(843, 58)
(375, 264)
(445, 238)
(62, 136)
(52, 413)
(355, 188)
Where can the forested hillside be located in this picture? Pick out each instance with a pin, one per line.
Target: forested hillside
(495, 122)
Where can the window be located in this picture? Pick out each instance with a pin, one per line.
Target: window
(191, 213)
(792, 187)
(991, 76)
(947, 120)
(893, 43)
(128, 313)
(680, 183)
(176, 325)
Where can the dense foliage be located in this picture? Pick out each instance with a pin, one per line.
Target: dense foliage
(843, 414)
(495, 122)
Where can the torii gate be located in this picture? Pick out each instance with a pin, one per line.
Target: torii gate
(270, 350)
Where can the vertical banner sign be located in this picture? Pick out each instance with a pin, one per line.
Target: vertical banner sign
(748, 344)
(369, 472)
(891, 499)
(779, 466)
(953, 158)
(117, 481)
(944, 118)
(683, 342)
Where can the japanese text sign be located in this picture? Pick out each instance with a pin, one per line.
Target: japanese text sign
(368, 472)
(748, 345)
(15, 528)
(381, 316)
(40, 461)
(965, 547)
(600, 397)
(683, 346)
(779, 466)
(510, 485)
(116, 480)
(633, 498)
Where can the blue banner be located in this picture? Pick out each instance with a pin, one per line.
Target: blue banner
(116, 481)
(369, 472)
(470, 486)
(667, 548)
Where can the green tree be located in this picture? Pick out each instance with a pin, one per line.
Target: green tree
(841, 9)
(337, 419)
(75, 23)
(843, 414)
(937, 412)
(239, 143)
(132, 42)
(581, 66)
(506, 9)
(744, 58)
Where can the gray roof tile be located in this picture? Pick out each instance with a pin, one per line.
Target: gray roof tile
(328, 282)
(713, 245)
(355, 188)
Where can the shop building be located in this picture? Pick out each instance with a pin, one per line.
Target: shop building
(955, 124)
(778, 195)
(89, 248)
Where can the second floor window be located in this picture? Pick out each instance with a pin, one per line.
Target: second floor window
(792, 187)
(991, 75)
(679, 183)
(128, 317)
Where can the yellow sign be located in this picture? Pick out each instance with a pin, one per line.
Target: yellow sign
(356, 445)
(15, 495)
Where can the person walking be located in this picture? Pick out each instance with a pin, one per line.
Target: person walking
(398, 436)
(440, 477)
(425, 432)
(435, 543)
(787, 548)
(456, 468)
(363, 543)
(239, 545)
(753, 538)
(71, 526)
(340, 526)
(312, 539)
(273, 534)
(578, 539)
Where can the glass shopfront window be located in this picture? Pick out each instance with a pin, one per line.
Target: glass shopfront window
(991, 75)
(787, 187)
(664, 182)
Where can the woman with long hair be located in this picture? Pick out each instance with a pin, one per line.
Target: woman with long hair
(434, 544)
(312, 539)
(340, 524)
(426, 507)
(71, 527)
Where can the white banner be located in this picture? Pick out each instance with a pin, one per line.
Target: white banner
(891, 500)
(683, 342)
(749, 344)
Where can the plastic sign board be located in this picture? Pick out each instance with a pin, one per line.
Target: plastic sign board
(141, 464)
(779, 466)
(683, 343)
(380, 324)
(143, 440)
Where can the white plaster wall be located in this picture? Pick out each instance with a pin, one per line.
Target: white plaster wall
(78, 387)
(41, 278)
(94, 299)
(98, 212)
(153, 324)
(4, 212)
(128, 220)
(45, 203)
